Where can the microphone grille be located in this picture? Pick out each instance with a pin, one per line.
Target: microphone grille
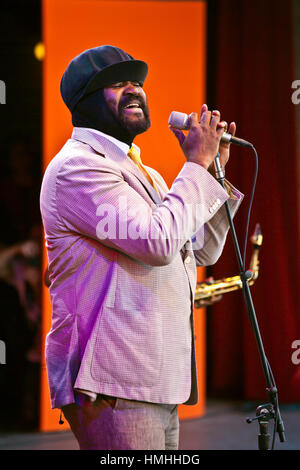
(179, 120)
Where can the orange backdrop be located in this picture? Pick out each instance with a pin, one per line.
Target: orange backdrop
(170, 37)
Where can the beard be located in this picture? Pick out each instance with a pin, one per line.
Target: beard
(94, 112)
(138, 125)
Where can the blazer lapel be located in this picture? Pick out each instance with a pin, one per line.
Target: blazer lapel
(109, 149)
(130, 166)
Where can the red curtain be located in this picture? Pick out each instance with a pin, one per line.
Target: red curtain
(250, 75)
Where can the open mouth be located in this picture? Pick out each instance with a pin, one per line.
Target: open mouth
(132, 106)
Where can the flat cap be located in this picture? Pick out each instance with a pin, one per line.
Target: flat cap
(96, 68)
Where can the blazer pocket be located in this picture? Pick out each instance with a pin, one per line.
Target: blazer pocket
(128, 347)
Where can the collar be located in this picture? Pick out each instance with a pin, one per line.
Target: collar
(100, 140)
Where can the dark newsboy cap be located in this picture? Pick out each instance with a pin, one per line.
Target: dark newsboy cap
(96, 68)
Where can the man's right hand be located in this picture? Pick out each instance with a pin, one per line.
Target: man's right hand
(201, 144)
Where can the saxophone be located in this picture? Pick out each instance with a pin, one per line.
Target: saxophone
(206, 290)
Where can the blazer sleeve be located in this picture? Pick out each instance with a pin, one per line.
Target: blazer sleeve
(94, 200)
(208, 242)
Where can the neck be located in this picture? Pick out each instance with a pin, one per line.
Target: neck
(118, 134)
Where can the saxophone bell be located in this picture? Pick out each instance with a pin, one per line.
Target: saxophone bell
(209, 288)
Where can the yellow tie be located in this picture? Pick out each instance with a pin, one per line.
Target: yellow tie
(134, 154)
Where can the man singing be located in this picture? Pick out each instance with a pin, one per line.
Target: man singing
(123, 250)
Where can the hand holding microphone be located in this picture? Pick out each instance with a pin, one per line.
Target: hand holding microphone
(210, 128)
(201, 145)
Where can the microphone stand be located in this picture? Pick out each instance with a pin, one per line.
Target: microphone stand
(265, 412)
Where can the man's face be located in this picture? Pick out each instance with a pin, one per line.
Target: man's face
(128, 103)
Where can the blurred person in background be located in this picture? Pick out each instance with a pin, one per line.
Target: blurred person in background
(20, 313)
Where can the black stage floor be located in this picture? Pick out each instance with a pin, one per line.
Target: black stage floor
(223, 427)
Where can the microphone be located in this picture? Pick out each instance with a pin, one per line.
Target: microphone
(181, 121)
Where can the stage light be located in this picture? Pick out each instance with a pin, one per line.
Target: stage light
(39, 51)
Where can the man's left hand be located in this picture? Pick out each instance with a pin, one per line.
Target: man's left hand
(224, 147)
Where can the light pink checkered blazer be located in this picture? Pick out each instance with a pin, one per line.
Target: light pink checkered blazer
(123, 271)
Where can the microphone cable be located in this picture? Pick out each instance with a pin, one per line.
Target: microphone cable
(250, 205)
